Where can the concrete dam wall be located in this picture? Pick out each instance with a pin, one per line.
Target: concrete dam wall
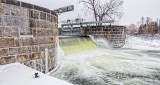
(26, 30)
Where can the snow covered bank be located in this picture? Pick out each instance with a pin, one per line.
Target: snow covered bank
(143, 42)
(18, 74)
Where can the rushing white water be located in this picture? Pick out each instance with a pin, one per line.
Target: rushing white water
(58, 59)
(103, 66)
(102, 43)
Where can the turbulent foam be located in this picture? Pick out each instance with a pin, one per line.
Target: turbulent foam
(103, 66)
(111, 67)
(102, 43)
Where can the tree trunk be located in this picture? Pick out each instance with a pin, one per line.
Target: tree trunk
(95, 15)
(100, 19)
(94, 10)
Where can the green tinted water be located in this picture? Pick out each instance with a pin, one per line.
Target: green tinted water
(77, 44)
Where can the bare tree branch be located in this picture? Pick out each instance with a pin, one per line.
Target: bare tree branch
(104, 9)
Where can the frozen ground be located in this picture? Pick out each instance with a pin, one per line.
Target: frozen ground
(147, 42)
(18, 74)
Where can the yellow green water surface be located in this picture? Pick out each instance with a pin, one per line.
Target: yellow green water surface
(78, 44)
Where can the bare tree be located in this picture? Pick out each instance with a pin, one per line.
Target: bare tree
(158, 24)
(142, 20)
(0, 6)
(148, 20)
(132, 29)
(104, 9)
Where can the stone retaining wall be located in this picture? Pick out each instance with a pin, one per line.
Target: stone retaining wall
(26, 30)
(115, 35)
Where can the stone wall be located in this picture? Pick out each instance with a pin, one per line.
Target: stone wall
(26, 30)
(115, 35)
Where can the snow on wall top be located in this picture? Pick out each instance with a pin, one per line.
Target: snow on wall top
(18, 74)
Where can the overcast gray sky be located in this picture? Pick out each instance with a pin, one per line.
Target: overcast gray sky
(133, 9)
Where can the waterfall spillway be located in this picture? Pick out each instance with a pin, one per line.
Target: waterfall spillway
(82, 66)
(76, 44)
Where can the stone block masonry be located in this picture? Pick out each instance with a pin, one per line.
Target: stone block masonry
(115, 34)
(26, 30)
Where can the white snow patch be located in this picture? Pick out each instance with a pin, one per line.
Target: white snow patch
(143, 43)
(18, 74)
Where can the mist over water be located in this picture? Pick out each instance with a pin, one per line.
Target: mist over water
(103, 66)
(102, 43)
